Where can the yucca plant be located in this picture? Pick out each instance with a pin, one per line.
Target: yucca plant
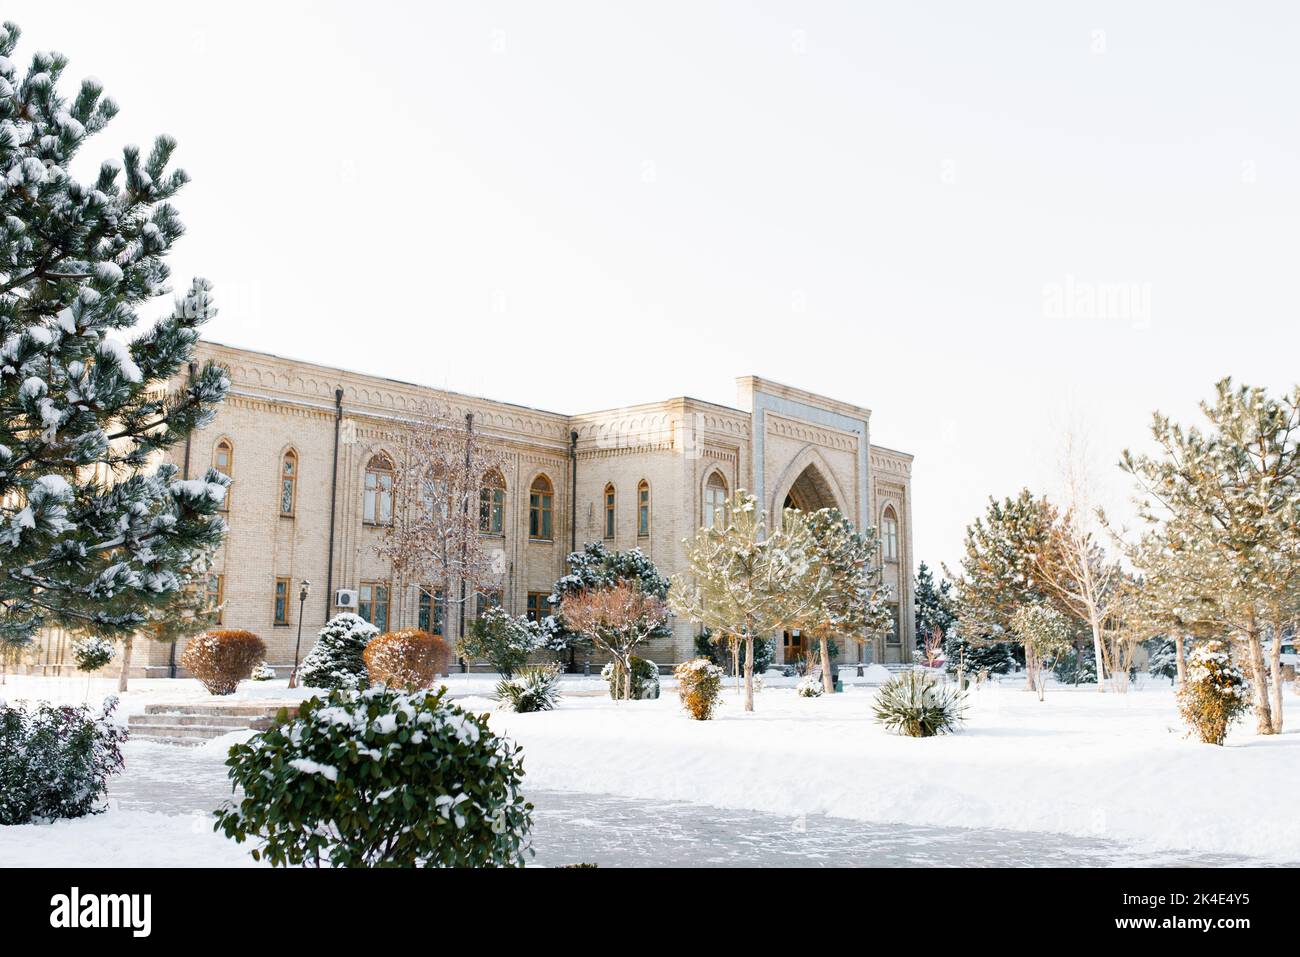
(917, 705)
(533, 689)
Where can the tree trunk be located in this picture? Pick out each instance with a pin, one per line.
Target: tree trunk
(126, 664)
(1180, 659)
(627, 679)
(1259, 678)
(827, 684)
(1095, 624)
(1275, 672)
(749, 670)
(1030, 682)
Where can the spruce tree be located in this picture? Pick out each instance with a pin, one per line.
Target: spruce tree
(93, 535)
(933, 603)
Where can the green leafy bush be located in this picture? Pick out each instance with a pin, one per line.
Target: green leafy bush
(55, 760)
(380, 778)
(336, 659)
(533, 689)
(915, 704)
(645, 679)
(500, 639)
(92, 653)
(699, 685)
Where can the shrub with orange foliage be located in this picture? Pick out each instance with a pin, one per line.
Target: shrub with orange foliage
(221, 659)
(409, 659)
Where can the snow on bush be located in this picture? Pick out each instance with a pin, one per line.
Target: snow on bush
(645, 679)
(222, 659)
(55, 760)
(915, 704)
(699, 685)
(500, 639)
(93, 653)
(1215, 695)
(380, 778)
(409, 659)
(263, 672)
(810, 685)
(336, 660)
(533, 689)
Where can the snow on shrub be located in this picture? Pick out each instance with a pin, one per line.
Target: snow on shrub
(810, 685)
(1215, 695)
(645, 679)
(55, 760)
(915, 704)
(533, 689)
(380, 778)
(263, 672)
(222, 659)
(93, 653)
(699, 685)
(500, 639)
(408, 659)
(336, 660)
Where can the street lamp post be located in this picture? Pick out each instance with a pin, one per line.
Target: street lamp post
(303, 592)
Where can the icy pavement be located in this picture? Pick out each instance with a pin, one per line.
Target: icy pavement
(614, 831)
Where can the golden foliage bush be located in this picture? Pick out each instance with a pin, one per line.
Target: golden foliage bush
(699, 685)
(1215, 694)
(223, 658)
(409, 659)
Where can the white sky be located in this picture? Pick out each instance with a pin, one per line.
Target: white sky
(543, 202)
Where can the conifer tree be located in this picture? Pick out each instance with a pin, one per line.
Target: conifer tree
(933, 602)
(1227, 500)
(93, 536)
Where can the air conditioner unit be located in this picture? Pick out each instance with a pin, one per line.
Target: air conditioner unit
(345, 598)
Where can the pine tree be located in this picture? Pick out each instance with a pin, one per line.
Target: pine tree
(844, 594)
(934, 606)
(93, 537)
(598, 567)
(1227, 501)
(336, 659)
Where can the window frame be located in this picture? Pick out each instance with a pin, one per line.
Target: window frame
(492, 505)
(611, 513)
(381, 467)
(289, 482)
(375, 587)
(488, 598)
(226, 443)
(889, 544)
(279, 615)
(709, 516)
(541, 509)
(537, 605)
(436, 604)
(643, 509)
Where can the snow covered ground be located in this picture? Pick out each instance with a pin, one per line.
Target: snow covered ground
(1073, 775)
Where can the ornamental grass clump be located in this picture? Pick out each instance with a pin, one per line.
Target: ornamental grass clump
(409, 659)
(1215, 695)
(379, 778)
(222, 659)
(533, 689)
(917, 705)
(699, 685)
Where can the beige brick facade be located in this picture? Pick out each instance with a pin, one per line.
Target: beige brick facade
(779, 442)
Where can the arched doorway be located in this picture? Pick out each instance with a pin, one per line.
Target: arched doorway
(809, 492)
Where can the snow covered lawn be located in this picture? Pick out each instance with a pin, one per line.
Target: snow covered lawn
(1115, 767)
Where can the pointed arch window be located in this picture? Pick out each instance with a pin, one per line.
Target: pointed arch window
(492, 504)
(610, 498)
(715, 502)
(377, 507)
(889, 534)
(643, 509)
(289, 483)
(541, 504)
(223, 460)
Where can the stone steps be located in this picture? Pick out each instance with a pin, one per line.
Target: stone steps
(195, 724)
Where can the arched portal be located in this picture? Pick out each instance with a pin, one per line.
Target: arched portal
(810, 491)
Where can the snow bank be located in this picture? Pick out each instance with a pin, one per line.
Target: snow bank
(1081, 763)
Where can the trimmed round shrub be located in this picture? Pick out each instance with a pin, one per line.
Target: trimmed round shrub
(93, 653)
(337, 659)
(380, 778)
(1215, 694)
(55, 760)
(699, 685)
(645, 679)
(222, 659)
(533, 689)
(915, 704)
(408, 659)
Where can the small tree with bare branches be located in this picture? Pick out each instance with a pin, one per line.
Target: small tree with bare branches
(616, 619)
(443, 486)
